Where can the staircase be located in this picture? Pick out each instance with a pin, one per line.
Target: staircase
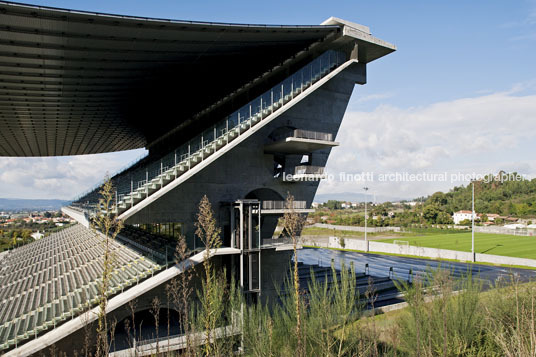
(133, 188)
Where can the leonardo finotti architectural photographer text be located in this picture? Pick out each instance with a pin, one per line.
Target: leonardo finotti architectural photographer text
(404, 176)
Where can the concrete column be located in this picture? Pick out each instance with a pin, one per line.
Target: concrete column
(241, 246)
(354, 52)
(233, 233)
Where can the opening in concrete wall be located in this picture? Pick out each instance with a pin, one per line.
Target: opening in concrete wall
(268, 222)
(145, 327)
(279, 159)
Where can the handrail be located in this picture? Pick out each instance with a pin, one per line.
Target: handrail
(139, 182)
(117, 173)
(304, 134)
(308, 170)
(269, 205)
(315, 135)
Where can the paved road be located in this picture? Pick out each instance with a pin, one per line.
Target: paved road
(380, 265)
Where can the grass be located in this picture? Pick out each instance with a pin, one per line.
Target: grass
(390, 323)
(496, 244)
(316, 231)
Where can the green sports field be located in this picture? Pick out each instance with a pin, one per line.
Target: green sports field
(497, 244)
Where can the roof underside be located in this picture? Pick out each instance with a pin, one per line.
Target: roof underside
(76, 83)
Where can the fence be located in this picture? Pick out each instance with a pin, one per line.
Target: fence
(356, 229)
(309, 134)
(503, 230)
(304, 134)
(434, 253)
(308, 170)
(269, 205)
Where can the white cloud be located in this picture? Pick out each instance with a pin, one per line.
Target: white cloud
(372, 97)
(57, 177)
(476, 134)
(482, 134)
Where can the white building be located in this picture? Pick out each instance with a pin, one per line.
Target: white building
(37, 235)
(459, 216)
(492, 216)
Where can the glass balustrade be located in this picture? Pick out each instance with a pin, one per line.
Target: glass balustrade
(152, 176)
(308, 170)
(280, 205)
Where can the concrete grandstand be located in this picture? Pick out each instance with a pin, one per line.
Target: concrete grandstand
(240, 113)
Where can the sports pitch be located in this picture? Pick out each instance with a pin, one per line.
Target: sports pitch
(497, 244)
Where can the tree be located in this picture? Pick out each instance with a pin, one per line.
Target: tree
(26, 235)
(180, 291)
(444, 218)
(438, 199)
(106, 226)
(292, 224)
(430, 213)
(465, 222)
(332, 204)
(211, 300)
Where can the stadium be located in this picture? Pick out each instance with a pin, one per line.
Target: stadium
(241, 113)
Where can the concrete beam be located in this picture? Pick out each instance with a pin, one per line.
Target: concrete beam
(215, 156)
(298, 146)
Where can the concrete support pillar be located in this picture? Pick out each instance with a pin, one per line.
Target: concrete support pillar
(354, 52)
(233, 233)
(241, 212)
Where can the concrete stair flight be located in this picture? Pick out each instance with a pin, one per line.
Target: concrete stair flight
(135, 187)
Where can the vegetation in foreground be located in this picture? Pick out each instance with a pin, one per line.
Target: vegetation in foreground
(444, 317)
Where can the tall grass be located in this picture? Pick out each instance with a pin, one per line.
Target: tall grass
(445, 316)
(510, 317)
(328, 315)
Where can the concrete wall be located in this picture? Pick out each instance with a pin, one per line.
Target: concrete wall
(275, 265)
(247, 168)
(356, 229)
(434, 253)
(504, 230)
(80, 217)
(242, 170)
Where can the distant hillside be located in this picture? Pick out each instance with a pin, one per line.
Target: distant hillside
(19, 204)
(492, 195)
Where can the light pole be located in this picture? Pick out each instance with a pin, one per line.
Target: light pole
(473, 225)
(366, 240)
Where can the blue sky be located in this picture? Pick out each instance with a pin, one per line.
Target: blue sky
(459, 95)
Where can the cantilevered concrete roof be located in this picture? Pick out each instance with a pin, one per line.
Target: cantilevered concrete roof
(76, 83)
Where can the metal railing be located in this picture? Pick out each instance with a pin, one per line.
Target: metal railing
(273, 205)
(119, 172)
(309, 170)
(207, 142)
(314, 135)
(272, 242)
(304, 134)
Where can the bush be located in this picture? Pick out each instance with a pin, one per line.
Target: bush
(441, 322)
